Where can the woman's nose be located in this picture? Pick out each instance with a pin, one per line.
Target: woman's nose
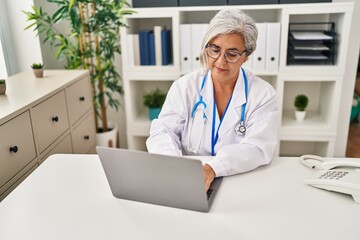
(222, 58)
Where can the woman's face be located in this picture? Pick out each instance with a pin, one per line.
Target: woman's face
(221, 70)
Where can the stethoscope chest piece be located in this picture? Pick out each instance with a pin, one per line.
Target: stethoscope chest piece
(240, 128)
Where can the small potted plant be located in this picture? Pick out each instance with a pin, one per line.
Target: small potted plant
(2, 86)
(38, 69)
(154, 101)
(300, 103)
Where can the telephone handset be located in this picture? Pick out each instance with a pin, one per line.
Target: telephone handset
(338, 175)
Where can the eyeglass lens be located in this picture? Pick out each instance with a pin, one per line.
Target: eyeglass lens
(231, 56)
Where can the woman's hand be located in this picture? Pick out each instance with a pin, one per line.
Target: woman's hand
(209, 175)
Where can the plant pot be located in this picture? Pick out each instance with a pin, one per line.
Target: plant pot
(38, 73)
(2, 88)
(109, 138)
(300, 115)
(154, 113)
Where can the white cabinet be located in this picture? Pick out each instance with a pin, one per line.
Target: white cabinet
(17, 147)
(40, 117)
(321, 83)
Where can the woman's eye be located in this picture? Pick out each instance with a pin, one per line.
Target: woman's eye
(215, 50)
(232, 55)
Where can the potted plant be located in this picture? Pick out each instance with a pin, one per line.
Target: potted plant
(2, 86)
(300, 103)
(154, 101)
(38, 69)
(91, 43)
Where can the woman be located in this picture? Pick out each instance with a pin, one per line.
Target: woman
(221, 110)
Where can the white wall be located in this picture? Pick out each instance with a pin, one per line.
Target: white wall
(3, 70)
(25, 44)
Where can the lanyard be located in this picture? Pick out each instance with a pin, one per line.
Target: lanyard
(242, 119)
(215, 137)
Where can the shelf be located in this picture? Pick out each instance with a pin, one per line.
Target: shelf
(321, 83)
(313, 123)
(152, 72)
(321, 112)
(298, 148)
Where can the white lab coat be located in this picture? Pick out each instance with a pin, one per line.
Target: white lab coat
(233, 153)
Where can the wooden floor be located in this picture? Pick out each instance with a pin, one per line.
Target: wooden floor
(353, 145)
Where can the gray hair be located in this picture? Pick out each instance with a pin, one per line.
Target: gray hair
(230, 21)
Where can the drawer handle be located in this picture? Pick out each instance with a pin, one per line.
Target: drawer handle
(14, 149)
(82, 99)
(86, 137)
(55, 119)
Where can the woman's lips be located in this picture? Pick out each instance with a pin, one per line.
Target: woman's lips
(220, 69)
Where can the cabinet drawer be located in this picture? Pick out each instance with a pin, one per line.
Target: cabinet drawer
(79, 99)
(16, 135)
(83, 136)
(11, 185)
(50, 120)
(62, 147)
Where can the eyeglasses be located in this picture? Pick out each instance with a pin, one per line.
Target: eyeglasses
(231, 56)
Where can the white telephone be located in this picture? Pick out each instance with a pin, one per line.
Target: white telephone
(338, 175)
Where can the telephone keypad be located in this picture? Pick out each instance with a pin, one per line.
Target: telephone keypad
(333, 174)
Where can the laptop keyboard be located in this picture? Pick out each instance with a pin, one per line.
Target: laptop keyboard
(208, 193)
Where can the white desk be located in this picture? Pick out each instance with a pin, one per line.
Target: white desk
(68, 197)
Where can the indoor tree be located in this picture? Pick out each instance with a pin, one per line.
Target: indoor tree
(92, 43)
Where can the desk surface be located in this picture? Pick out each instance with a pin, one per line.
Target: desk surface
(68, 197)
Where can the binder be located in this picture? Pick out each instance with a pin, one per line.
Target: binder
(136, 49)
(166, 46)
(130, 49)
(259, 54)
(248, 65)
(151, 48)
(133, 51)
(197, 34)
(158, 52)
(144, 46)
(272, 47)
(185, 48)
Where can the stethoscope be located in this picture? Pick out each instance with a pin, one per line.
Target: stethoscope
(198, 117)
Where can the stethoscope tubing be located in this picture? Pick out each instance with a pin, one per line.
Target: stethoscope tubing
(239, 128)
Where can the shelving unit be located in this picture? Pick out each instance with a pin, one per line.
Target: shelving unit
(322, 83)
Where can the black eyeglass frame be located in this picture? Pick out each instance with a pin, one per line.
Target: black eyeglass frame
(225, 53)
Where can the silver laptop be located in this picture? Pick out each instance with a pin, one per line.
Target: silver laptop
(158, 179)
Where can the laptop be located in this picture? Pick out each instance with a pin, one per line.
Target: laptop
(157, 179)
